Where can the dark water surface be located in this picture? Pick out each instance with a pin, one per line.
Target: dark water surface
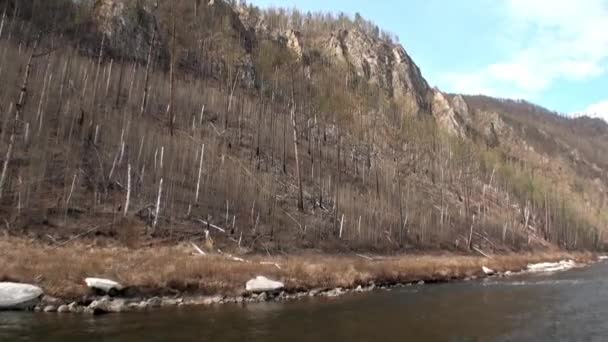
(568, 306)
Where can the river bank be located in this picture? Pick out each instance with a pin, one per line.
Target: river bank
(181, 275)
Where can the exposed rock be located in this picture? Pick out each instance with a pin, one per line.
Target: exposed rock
(63, 309)
(314, 292)
(262, 297)
(333, 293)
(75, 308)
(154, 302)
(292, 40)
(104, 285)
(461, 109)
(16, 296)
(171, 301)
(207, 300)
(384, 64)
(50, 308)
(128, 27)
(106, 305)
(488, 271)
(263, 284)
(445, 115)
(420, 282)
(212, 300)
(138, 306)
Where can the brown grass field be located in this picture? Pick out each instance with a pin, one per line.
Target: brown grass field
(177, 270)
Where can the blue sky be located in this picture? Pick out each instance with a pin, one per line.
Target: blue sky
(550, 52)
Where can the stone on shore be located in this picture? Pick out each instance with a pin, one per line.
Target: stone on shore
(75, 308)
(333, 293)
(263, 284)
(154, 302)
(106, 305)
(63, 309)
(104, 285)
(16, 296)
(488, 271)
(50, 308)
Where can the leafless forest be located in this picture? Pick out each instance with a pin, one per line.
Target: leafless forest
(161, 139)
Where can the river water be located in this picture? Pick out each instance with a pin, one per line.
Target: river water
(567, 306)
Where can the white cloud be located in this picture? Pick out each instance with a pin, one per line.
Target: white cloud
(597, 110)
(550, 40)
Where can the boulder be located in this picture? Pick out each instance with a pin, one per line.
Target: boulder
(262, 297)
(104, 285)
(488, 271)
(263, 284)
(50, 308)
(333, 293)
(75, 308)
(64, 309)
(16, 296)
(154, 302)
(171, 301)
(106, 305)
(141, 306)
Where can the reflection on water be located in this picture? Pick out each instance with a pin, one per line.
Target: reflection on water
(566, 306)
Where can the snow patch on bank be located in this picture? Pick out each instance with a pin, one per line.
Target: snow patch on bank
(549, 267)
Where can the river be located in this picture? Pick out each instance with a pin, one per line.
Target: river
(567, 306)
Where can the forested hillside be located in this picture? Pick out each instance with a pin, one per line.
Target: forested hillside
(152, 122)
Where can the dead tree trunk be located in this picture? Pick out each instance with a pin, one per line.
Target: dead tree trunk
(295, 148)
(5, 166)
(97, 71)
(26, 77)
(119, 86)
(170, 110)
(144, 99)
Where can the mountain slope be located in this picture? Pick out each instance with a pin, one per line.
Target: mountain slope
(268, 130)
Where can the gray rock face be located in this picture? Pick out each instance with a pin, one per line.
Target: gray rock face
(115, 19)
(16, 296)
(461, 109)
(384, 64)
(446, 114)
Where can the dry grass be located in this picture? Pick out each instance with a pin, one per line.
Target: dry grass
(173, 269)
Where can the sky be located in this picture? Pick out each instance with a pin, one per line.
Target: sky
(550, 52)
